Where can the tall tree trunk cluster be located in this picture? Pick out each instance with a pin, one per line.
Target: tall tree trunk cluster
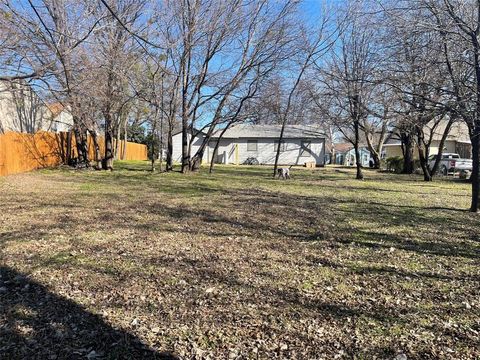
(81, 141)
(356, 115)
(408, 148)
(108, 160)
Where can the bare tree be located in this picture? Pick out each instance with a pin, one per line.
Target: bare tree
(52, 34)
(459, 25)
(115, 55)
(237, 111)
(213, 48)
(350, 77)
(456, 27)
(416, 78)
(378, 122)
(315, 44)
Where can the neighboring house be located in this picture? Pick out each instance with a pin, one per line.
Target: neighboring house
(61, 118)
(300, 144)
(328, 153)
(458, 141)
(22, 110)
(345, 155)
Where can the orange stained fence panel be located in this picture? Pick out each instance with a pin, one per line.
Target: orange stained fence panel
(20, 152)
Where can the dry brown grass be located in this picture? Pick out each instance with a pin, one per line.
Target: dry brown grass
(137, 265)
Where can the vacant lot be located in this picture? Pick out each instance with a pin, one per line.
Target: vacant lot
(237, 265)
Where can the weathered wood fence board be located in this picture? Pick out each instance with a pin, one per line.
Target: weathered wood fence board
(20, 152)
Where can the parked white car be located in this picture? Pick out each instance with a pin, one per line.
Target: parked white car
(451, 163)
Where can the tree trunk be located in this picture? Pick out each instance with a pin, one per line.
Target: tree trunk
(185, 155)
(212, 160)
(160, 137)
(373, 152)
(185, 79)
(69, 148)
(152, 167)
(82, 147)
(408, 157)
(381, 141)
(108, 161)
(280, 139)
(124, 150)
(78, 145)
(376, 160)
(423, 157)
(154, 137)
(96, 148)
(169, 166)
(215, 150)
(359, 175)
(358, 159)
(154, 132)
(475, 131)
(117, 144)
(434, 169)
(196, 161)
(423, 151)
(475, 177)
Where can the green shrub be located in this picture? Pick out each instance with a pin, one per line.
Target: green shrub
(394, 164)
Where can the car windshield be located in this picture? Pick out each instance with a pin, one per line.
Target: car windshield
(451, 156)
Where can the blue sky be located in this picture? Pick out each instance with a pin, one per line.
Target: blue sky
(312, 8)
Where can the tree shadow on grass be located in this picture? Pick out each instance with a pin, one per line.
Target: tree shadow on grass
(378, 269)
(304, 218)
(37, 324)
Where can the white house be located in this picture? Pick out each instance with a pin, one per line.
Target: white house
(61, 118)
(301, 144)
(457, 141)
(345, 155)
(22, 110)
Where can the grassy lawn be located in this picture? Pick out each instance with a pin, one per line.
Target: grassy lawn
(237, 265)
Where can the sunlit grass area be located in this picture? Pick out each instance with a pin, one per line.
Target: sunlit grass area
(236, 264)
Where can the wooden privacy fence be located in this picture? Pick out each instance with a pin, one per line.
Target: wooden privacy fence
(20, 152)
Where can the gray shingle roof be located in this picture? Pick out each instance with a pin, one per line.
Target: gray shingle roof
(272, 131)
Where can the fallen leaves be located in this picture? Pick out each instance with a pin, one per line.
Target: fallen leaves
(303, 269)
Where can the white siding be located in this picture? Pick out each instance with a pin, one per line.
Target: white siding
(177, 147)
(265, 153)
(62, 122)
(226, 153)
(21, 109)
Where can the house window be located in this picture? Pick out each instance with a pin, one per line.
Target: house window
(252, 145)
(282, 146)
(305, 148)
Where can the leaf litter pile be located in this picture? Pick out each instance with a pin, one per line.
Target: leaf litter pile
(236, 265)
